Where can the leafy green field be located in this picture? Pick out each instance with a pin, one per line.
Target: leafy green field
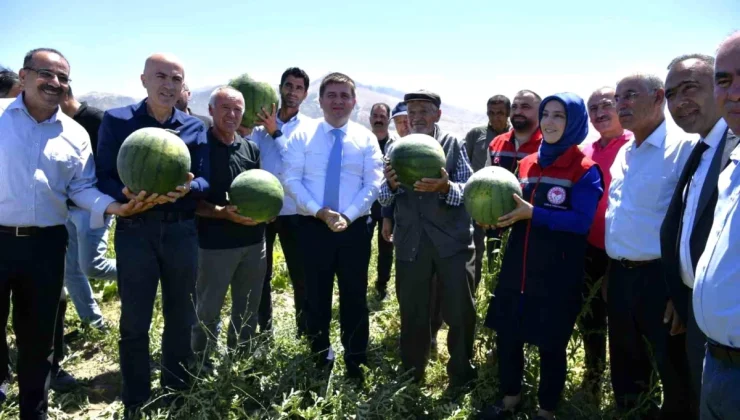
(280, 381)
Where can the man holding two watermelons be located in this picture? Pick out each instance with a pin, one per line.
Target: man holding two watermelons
(433, 234)
(161, 243)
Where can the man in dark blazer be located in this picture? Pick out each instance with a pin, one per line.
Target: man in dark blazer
(685, 229)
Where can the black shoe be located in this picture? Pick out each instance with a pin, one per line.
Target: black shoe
(354, 371)
(496, 412)
(62, 382)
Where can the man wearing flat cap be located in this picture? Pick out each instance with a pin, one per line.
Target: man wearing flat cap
(434, 235)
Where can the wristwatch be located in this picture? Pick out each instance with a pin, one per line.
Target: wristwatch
(276, 134)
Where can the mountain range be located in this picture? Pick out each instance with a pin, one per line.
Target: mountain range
(454, 119)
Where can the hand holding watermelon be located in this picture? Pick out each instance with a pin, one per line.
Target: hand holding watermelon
(268, 119)
(391, 177)
(231, 213)
(438, 185)
(523, 211)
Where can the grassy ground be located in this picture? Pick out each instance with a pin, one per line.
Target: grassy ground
(279, 380)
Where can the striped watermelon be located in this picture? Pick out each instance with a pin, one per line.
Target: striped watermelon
(417, 156)
(153, 160)
(488, 194)
(257, 194)
(256, 95)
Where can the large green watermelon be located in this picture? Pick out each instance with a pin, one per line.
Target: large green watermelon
(417, 156)
(153, 160)
(257, 194)
(256, 95)
(488, 194)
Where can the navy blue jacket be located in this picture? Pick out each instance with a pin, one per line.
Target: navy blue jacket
(118, 123)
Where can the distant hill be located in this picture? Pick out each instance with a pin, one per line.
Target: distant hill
(456, 120)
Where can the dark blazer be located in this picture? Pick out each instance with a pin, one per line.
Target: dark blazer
(669, 231)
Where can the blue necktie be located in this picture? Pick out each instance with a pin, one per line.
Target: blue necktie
(333, 169)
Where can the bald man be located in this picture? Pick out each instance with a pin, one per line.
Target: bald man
(157, 244)
(716, 289)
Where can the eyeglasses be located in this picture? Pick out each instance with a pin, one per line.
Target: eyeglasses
(47, 74)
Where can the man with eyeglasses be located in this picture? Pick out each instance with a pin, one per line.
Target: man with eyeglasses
(476, 145)
(182, 105)
(45, 159)
(644, 176)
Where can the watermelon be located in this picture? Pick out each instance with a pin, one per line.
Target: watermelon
(256, 96)
(257, 194)
(153, 160)
(488, 194)
(417, 156)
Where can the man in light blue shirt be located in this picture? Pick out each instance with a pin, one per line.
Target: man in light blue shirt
(45, 159)
(644, 176)
(717, 286)
(271, 137)
(333, 170)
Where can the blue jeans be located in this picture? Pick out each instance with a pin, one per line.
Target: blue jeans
(720, 390)
(147, 251)
(86, 258)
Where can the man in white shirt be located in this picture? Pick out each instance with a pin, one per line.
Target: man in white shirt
(333, 170)
(717, 287)
(689, 93)
(270, 137)
(644, 176)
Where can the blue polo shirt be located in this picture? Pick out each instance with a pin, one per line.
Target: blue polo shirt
(118, 123)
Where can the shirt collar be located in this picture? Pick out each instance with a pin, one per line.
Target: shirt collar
(18, 103)
(297, 117)
(657, 137)
(615, 142)
(718, 131)
(328, 127)
(177, 115)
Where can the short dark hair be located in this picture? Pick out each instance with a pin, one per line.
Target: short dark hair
(500, 99)
(336, 78)
(8, 79)
(28, 59)
(706, 59)
(295, 72)
(529, 92)
(387, 108)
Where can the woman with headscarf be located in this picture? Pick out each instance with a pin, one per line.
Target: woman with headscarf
(538, 295)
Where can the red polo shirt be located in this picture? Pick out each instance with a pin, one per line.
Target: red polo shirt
(604, 156)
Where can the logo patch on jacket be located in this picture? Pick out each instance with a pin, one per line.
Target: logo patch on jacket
(556, 195)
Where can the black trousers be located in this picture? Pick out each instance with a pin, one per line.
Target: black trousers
(553, 369)
(385, 256)
(593, 323)
(32, 269)
(636, 302)
(286, 227)
(421, 299)
(696, 345)
(59, 332)
(345, 254)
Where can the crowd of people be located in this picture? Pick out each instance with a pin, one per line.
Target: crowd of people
(639, 227)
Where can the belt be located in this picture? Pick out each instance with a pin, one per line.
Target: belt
(20, 231)
(724, 353)
(160, 216)
(628, 264)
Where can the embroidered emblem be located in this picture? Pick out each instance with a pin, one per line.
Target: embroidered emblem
(556, 195)
(496, 160)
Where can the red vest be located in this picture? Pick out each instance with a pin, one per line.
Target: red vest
(503, 150)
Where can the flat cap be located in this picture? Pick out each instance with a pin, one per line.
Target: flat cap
(423, 95)
(399, 109)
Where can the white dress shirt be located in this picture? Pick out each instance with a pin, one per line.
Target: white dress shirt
(643, 181)
(717, 287)
(306, 157)
(692, 200)
(271, 158)
(42, 164)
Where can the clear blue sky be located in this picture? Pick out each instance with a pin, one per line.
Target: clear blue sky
(465, 50)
